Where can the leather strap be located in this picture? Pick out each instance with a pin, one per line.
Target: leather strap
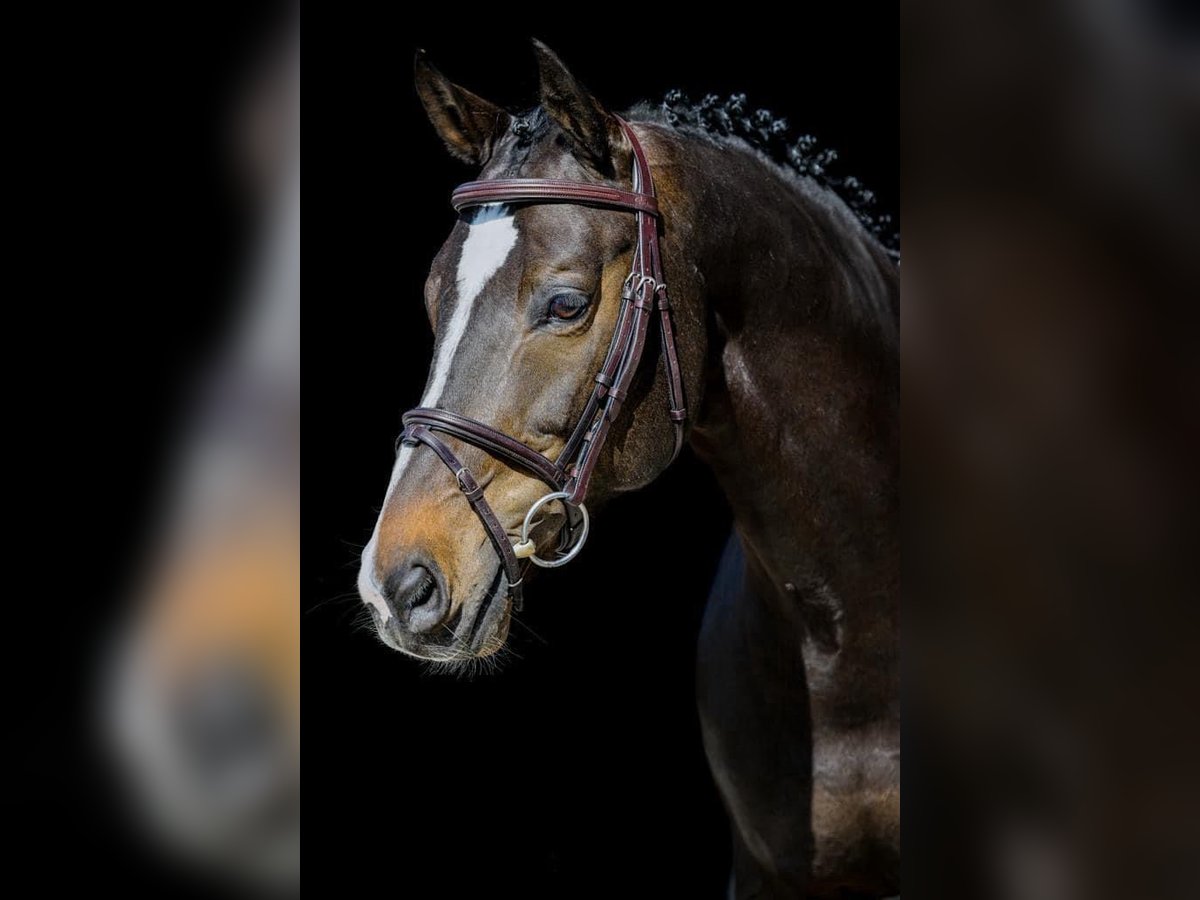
(644, 289)
(474, 494)
(549, 190)
(497, 443)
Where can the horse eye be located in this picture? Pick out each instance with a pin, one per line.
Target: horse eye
(567, 306)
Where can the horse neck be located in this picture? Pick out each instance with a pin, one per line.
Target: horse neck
(799, 418)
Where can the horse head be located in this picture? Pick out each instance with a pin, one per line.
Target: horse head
(526, 301)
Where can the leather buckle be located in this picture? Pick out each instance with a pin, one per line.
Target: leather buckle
(467, 483)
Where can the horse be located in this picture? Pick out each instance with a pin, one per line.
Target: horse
(784, 317)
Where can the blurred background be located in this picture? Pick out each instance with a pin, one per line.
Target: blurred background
(1050, 278)
(154, 202)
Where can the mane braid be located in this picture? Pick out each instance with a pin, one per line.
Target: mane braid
(770, 135)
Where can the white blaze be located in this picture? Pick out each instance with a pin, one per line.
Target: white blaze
(490, 239)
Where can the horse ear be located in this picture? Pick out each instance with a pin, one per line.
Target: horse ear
(468, 124)
(594, 131)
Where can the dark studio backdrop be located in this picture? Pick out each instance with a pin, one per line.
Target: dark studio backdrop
(578, 769)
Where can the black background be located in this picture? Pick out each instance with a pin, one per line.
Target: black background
(577, 770)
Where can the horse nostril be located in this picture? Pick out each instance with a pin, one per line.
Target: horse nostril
(423, 592)
(417, 599)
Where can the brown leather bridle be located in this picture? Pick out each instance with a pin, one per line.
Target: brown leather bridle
(567, 476)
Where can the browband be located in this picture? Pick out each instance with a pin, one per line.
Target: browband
(549, 190)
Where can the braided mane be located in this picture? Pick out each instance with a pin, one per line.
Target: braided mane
(770, 135)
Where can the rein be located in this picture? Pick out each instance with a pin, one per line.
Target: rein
(568, 475)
